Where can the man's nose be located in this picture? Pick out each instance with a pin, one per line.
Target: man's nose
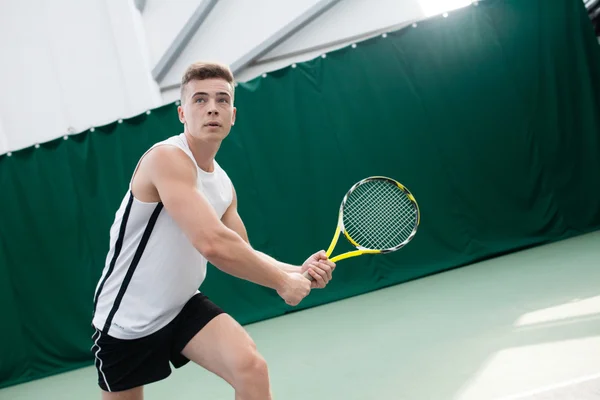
(212, 108)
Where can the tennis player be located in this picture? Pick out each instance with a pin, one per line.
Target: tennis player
(179, 213)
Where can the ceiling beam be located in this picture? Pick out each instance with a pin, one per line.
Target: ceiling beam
(280, 36)
(346, 41)
(140, 5)
(590, 3)
(182, 39)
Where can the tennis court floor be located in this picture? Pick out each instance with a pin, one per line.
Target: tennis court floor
(522, 326)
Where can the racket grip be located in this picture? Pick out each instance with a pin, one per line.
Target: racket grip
(308, 276)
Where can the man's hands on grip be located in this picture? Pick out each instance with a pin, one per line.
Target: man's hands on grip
(297, 287)
(320, 268)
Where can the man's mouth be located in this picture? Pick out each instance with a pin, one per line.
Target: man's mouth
(212, 124)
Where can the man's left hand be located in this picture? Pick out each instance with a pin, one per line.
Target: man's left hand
(320, 268)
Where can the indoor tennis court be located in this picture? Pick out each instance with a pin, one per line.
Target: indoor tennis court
(444, 154)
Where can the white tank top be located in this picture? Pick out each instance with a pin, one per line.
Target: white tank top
(151, 268)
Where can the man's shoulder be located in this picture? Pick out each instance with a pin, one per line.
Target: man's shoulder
(165, 152)
(167, 158)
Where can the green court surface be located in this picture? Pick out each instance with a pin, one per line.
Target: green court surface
(522, 326)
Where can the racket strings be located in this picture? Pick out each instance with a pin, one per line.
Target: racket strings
(381, 211)
(406, 214)
(403, 229)
(374, 229)
(379, 215)
(364, 223)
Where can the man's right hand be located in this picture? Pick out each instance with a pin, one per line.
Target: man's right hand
(295, 288)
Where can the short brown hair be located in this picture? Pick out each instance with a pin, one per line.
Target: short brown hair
(206, 70)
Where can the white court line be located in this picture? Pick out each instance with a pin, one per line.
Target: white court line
(551, 387)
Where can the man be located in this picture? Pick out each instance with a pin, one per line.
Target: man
(181, 211)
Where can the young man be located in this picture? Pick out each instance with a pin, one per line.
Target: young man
(179, 213)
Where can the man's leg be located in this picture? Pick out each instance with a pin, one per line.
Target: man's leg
(131, 394)
(225, 348)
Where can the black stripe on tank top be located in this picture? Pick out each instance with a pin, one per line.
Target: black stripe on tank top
(118, 246)
(134, 263)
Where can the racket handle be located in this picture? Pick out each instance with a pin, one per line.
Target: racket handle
(308, 276)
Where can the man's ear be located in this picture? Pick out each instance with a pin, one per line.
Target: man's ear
(181, 114)
(233, 116)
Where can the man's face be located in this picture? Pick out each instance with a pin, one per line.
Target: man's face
(207, 109)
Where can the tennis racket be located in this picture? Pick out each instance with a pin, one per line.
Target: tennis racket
(377, 215)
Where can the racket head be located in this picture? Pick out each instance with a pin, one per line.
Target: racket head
(379, 214)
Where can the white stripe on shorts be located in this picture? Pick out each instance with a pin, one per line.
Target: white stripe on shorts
(97, 357)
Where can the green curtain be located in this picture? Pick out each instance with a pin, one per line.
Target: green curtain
(490, 117)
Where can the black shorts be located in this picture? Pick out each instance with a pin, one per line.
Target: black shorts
(125, 364)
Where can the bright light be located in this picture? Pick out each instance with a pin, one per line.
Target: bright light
(534, 365)
(435, 7)
(575, 309)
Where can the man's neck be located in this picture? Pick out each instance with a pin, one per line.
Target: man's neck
(204, 152)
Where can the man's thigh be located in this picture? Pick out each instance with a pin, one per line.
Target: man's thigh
(131, 394)
(220, 346)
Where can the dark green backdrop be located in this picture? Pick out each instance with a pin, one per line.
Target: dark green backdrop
(490, 116)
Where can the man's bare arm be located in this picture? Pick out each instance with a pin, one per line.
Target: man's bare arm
(174, 176)
(233, 221)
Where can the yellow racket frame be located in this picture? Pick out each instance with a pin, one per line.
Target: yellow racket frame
(348, 254)
(361, 250)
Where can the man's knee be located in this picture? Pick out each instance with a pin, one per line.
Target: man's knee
(250, 366)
